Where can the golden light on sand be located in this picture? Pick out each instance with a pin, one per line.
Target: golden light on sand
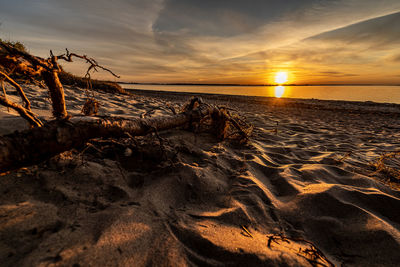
(281, 77)
(279, 91)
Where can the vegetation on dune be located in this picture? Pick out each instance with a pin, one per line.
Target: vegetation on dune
(18, 64)
(66, 78)
(16, 44)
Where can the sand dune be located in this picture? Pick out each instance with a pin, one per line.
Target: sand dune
(305, 177)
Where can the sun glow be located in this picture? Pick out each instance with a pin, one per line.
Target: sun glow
(281, 77)
(279, 91)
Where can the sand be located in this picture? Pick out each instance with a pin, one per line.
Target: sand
(301, 192)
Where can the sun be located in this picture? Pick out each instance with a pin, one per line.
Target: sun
(281, 77)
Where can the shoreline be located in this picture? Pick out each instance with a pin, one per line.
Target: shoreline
(256, 85)
(334, 105)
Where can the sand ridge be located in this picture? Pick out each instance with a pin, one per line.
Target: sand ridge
(305, 176)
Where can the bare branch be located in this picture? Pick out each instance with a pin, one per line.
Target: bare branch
(18, 88)
(24, 113)
(48, 69)
(40, 143)
(57, 136)
(4, 93)
(93, 63)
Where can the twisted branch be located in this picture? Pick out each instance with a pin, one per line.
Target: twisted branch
(93, 63)
(18, 88)
(54, 137)
(23, 112)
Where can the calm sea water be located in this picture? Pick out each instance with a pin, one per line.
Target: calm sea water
(382, 94)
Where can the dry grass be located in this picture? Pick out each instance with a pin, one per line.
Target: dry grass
(388, 166)
(302, 248)
(16, 44)
(110, 87)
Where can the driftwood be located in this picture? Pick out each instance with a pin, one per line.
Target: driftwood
(35, 145)
(18, 88)
(48, 69)
(43, 141)
(23, 112)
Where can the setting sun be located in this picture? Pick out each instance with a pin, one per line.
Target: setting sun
(281, 77)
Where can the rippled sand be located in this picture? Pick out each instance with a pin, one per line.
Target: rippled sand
(301, 192)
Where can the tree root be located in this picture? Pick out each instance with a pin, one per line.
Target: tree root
(35, 145)
(44, 141)
(23, 112)
(14, 59)
(18, 88)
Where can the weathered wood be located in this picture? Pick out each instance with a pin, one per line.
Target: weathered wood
(56, 93)
(24, 113)
(35, 145)
(18, 88)
(48, 69)
(93, 65)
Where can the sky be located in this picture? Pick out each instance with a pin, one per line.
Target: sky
(216, 41)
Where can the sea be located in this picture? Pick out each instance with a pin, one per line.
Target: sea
(373, 93)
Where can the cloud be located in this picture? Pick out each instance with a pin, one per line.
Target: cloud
(395, 58)
(336, 74)
(221, 18)
(262, 25)
(184, 40)
(378, 33)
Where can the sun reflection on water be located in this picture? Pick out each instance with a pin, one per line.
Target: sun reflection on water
(279, 91)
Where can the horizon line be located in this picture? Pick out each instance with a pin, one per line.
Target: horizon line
(239, 84)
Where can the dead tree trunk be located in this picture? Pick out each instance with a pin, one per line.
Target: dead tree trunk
(35, 145)
(56, 93)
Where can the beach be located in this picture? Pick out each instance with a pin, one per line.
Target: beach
(303, 191)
